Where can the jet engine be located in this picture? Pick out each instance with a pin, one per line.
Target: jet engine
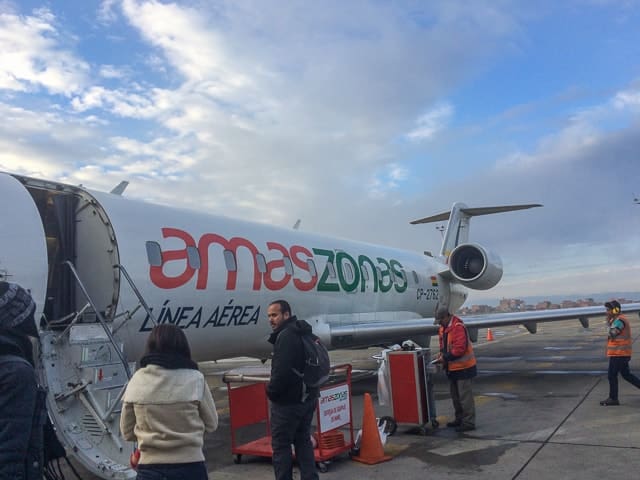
(474, 267)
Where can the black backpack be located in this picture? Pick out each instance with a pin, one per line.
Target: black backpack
(316, 364)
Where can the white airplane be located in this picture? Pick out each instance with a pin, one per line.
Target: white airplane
(103, 269)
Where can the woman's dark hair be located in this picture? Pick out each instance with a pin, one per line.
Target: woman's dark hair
(168, 339)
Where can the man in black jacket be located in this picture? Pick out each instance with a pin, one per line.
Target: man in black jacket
(22, 412)
(290, 416)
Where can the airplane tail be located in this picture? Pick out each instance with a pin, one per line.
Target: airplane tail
(459, 218)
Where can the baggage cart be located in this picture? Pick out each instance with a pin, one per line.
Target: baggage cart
(250, 423)
(411, 388)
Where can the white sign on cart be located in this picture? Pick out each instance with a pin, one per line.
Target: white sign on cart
(333, 406)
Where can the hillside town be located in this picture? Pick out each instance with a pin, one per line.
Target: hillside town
(518, 305)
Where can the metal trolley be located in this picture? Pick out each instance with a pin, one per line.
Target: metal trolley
(411, 388)
(250, 423)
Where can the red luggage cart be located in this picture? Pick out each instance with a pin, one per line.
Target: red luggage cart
(411, 388)
(249, 415)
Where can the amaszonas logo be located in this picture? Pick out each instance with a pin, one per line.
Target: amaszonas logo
(307, 269)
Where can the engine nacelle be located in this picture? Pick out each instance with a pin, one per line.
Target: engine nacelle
(475, 267)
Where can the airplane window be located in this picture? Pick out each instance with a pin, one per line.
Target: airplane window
(193, 257)
(312, 268)
(288, 266)
(331, 269)
(154, 254)
(262, 263)
(415, 277)
(230, 261)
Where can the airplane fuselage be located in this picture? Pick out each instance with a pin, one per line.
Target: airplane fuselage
(211, 275)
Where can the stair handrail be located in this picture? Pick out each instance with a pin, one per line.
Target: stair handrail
(100, 319)
(137, 293)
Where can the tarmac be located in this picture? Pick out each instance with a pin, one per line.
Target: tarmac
(537, 406)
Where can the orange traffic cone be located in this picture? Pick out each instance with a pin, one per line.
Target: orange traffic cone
(371, 450)
(489, 335)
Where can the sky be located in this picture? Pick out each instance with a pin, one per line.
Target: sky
(355, 117)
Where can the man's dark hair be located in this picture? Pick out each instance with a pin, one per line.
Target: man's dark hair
(168, 339)
(284, 306)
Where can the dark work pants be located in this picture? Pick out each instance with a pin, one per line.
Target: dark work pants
(173, 471)
(291, 425)
(620, 365)
(463, 403)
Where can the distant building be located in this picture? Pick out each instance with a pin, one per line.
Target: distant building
(518, 305)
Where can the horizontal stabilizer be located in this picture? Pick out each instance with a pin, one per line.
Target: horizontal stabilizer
(474, 212)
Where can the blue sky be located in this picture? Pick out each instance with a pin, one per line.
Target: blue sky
(356, 117)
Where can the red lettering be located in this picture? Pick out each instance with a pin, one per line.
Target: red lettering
(157, 275)
(269, 282)
(232, 245)
(302, 264)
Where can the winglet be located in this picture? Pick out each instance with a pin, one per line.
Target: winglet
(120, 188)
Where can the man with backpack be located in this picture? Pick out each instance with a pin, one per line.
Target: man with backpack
(292, 401)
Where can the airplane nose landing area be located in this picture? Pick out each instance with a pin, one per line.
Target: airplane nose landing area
(23, 252)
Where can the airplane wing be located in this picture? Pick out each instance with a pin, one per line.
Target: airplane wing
(530, 319)
(344, 333)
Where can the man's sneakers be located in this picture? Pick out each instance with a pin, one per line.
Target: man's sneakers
(609, 402)
(455, 423)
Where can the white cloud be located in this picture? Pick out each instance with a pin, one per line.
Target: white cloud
(629, 99)
(106, 12)
(431, 123)
(188, 44)
(389, 179)
(33, 56)
(110, 71)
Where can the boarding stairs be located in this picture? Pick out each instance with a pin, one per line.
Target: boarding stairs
(85, 369)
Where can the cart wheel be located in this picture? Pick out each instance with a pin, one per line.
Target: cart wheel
(322, 467)
(238, 459)
(391, 427)
(435, 423)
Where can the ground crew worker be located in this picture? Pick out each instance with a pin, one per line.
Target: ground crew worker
(618, 351)
(458, 360)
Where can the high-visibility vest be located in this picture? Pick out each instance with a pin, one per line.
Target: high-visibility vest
(621, 345)
(467, 360)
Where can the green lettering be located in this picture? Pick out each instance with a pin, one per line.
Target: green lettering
(346, 286)
(399, 273)
(362, 259)
(384, 273)
(324, 285)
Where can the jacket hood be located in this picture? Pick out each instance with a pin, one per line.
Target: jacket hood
(301, 327)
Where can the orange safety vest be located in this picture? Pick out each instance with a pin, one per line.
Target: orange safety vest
(621, 345)
(467, 360)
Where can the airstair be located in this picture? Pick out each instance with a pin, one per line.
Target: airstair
(84, 366)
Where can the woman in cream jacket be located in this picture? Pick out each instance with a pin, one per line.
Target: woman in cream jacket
(167, 407)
